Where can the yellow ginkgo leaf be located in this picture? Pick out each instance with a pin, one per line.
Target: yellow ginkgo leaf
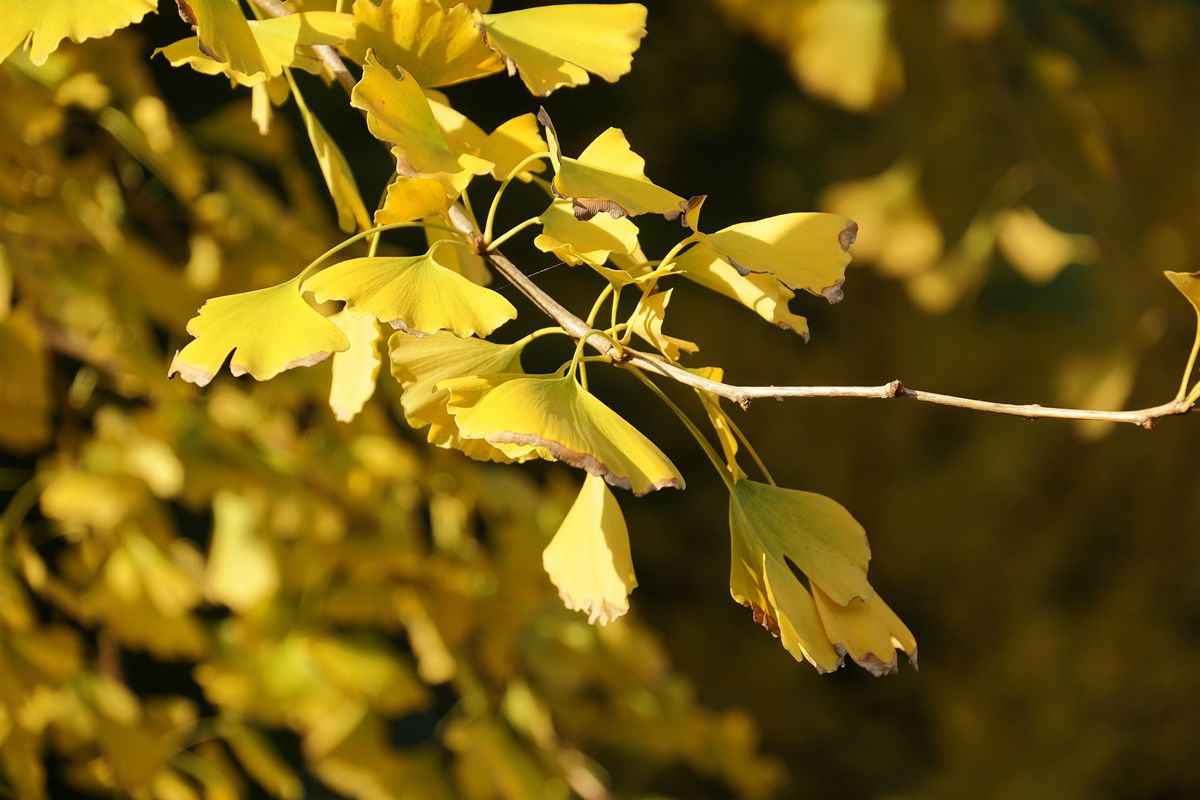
(267, 330)
(559, 45)
(354, 369)
(398, 112)
(772, 527)
(351, 212)
(588, 559)
(241, 570)
(759, 292)
(43, 24)
(867, 630)
(647, 323)
(415, 293)
(249, 52)
(589, 241)
(438, 45)
(419, 364)
(808, 250)
(411, 199)
(608, 176)
(555, 415)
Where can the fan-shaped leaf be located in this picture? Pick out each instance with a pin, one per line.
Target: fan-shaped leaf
(416, 293)
(267, 330)
(554, 415)
(588, 559)
(773, 528)
(559, 45)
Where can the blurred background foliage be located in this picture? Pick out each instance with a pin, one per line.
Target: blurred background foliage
(1021, 171)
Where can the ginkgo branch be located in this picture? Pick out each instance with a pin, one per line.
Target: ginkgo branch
(742, 395)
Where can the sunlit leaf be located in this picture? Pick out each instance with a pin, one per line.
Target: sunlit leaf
(807, 251)
(555, 415)
(759, 292)
(421, 363)
(511, 143)
(558, 45)
(845, 53)
(439, 45)
(42, 25)
(249, 52)
(647, 323)
(354, 369)
(398, 112)
(588, 559)
(241, 565)
(608, 177)
(267, 330)
(720, 421)
(417, 293)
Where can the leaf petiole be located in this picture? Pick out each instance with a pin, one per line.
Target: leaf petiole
(514, 172)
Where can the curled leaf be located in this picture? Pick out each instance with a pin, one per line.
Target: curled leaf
(609, 177)
(267, 330)
(439, 46)
(553, 415)
(417, 293)
(419, 364)
(588, 559)
(42, 25)
(558, 45)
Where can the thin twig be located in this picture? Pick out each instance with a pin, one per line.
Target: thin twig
(742, 395)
